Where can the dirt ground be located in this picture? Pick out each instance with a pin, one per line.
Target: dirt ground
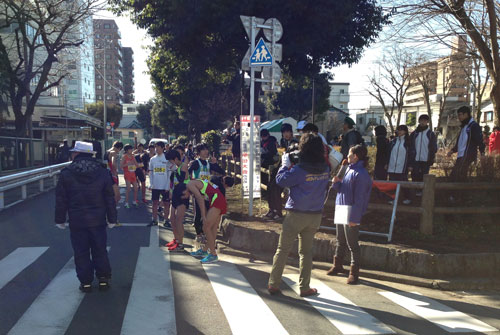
(452, 233)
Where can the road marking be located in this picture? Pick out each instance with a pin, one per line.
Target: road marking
(245, 311)
(52, 311)
(151, 304)
(17, 261)
(340, 311)
(443, 316)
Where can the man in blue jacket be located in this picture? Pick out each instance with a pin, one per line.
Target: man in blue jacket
(85, 193)
(308, 182)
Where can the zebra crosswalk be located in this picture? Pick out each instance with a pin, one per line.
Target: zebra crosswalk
(151, 306)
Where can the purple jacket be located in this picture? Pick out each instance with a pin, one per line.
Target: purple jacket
(354, 190)
(308, 185)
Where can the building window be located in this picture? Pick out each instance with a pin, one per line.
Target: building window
(131, 134)
(109, 97)
(361, 120)
(108, 56)
(341, 106)
(109, 77)
(130, 110)
(99, 87)
(107, 26)
(488, 116)
(99, 97)
(342, 91)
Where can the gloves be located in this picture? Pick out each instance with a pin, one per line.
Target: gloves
(61, 225)
(285, 160)
(111, 225)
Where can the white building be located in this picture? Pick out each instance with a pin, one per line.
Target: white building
(130, 109)
(79, 86)
(339, 96)
(368, 119)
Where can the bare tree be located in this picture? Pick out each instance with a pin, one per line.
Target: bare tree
(35, 38)
(392, 83)
(437, 20)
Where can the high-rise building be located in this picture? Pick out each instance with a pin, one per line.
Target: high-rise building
(108, 62)
(79, 86)
(128, 75)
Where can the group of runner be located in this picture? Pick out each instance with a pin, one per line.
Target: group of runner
(175, 175)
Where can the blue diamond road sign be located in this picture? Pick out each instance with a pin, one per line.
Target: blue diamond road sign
(261, 55)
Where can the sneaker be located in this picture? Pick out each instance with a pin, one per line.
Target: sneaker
(167, 224)
(171, 243)
(126, 205)
(210, 259)
(85, 288)
(276, 216)
(176, 247)
(198, 238)
(153, 223)
(407, 201)
(269, 214)
(199, 253)
(136, 204)
(103, 284)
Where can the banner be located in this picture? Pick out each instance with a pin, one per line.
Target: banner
(245, 156)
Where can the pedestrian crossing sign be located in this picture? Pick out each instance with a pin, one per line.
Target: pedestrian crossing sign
(261, 55)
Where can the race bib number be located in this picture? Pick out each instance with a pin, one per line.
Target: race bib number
(131, 168)
(159, 170)
(140, 165)
(204, 177)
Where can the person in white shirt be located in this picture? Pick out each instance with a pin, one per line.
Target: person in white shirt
(160, 170)
(424, 141)
(401, 154)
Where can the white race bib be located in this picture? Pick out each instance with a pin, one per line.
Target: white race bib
(342, 214)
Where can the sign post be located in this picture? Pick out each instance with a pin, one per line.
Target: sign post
(246, 151)
(259, 56)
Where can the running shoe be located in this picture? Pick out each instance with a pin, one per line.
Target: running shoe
(199, 253)
(176, 247)
(171, 243)
(167, 224)
(136, 204)
(127, 205)
(153, 223)
(210, 259)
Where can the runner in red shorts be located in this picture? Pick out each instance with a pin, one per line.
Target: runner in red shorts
(210, 217)
(129, 165)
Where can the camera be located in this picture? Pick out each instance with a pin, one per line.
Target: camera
(293, 153)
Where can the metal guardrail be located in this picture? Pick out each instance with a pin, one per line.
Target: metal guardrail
(22, 179)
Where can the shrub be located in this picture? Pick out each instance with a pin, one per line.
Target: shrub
(182, 140)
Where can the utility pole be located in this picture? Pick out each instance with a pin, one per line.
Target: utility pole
(313, 101)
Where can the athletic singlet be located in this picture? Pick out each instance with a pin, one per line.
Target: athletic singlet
(203, 172)
(129, 168)
(177, 176)
(210, 190)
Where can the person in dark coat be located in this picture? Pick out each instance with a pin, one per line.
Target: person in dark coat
(269, 149)
(85, 194)
(383, 153)
(469, 141)
(63, 155)
(350, 138)
(235, 139)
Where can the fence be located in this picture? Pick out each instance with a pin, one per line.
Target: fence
(21, 153)
(426, 210)
(18, 187)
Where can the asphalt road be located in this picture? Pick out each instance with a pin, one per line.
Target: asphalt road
(157, 292)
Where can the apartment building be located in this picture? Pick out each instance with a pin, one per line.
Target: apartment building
(128, 75)
(108, 62)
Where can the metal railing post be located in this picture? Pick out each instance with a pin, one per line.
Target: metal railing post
(2, 203)
(24, 193)
(41, 185)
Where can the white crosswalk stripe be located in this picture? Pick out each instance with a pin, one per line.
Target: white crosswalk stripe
(17, 261)
(53, 310)
(443, 316)
(151, 308)
(233, 291)
(340, 311)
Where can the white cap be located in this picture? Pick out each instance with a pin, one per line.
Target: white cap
(301, 125)
(84, 147)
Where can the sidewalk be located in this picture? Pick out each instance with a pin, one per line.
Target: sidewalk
(452, 271)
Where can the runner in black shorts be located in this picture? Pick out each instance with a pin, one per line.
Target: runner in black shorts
(165, 195)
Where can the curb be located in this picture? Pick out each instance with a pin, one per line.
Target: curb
(388, 263)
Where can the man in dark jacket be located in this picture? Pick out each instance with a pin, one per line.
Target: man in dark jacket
(85, 193)
(269, 149)
(468, 142)
(63, 155)
(350, 138)
(424, 144)
(235, 139)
